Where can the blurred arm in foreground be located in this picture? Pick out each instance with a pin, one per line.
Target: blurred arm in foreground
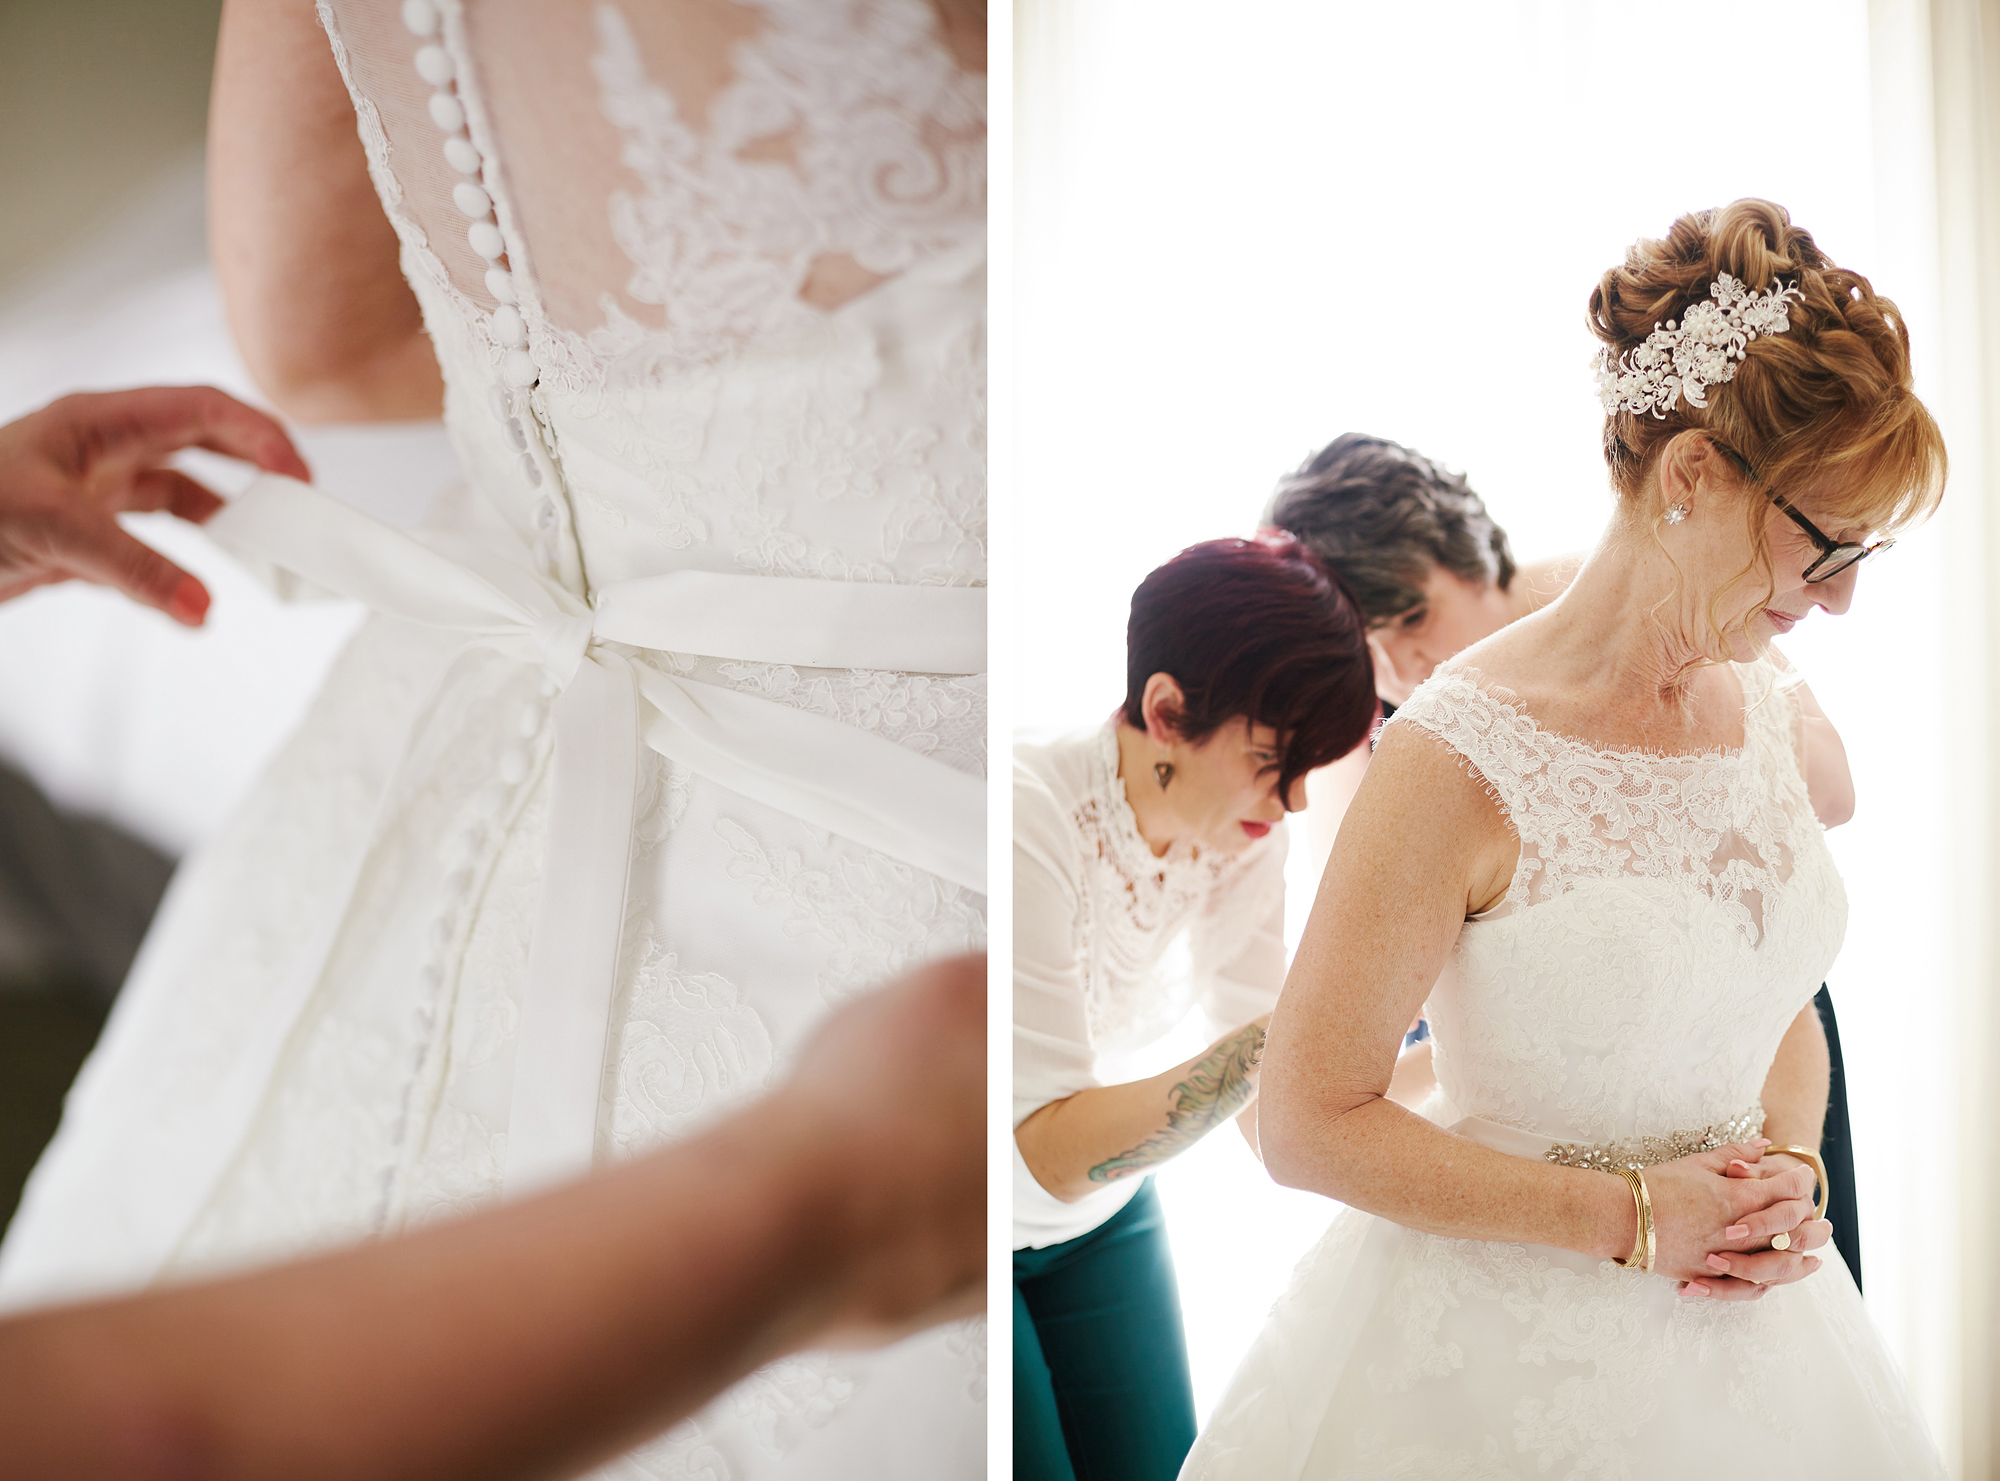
(848, 1207)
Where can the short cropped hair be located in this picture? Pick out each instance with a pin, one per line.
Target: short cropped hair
(1381, 515)
(1257, 628)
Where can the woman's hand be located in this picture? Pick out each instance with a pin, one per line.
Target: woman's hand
(69, 470)
(1717, 1206)
(889, 1099)
(1746, 1274)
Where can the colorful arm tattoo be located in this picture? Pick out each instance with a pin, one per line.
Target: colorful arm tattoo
(1220, 1084)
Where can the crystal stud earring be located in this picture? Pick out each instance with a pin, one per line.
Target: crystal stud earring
(1163, 772)
(1676, 514)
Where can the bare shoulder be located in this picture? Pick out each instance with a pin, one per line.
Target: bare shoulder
(1418, 788)
(1510, 659)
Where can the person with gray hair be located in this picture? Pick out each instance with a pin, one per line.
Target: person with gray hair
(1433, 574)
(1429, 568)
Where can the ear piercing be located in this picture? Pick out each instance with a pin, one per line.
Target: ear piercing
(1676, 514)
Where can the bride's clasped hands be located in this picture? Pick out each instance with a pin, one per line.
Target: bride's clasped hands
(1714, 1217)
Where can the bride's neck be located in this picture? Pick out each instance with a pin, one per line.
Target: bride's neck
(1625, 625)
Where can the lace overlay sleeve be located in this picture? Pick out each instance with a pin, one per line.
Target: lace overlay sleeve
(1493, 741)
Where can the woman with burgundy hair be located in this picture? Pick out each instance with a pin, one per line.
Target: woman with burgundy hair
(1246, 667)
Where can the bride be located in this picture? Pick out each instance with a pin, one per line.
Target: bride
(1599, 1256)
(670, 735)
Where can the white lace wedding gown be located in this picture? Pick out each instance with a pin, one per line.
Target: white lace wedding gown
(670, 737)
(1667, 921)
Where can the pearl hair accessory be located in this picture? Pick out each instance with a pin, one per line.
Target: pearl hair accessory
(1702, 351)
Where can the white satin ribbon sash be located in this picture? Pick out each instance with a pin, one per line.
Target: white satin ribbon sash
(830, 775)
(1439, 1109)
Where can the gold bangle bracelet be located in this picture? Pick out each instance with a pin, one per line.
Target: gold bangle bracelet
(1819, 1171)
(1641, 1257)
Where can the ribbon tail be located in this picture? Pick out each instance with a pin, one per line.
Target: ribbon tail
(281, 522)
(573, 964)
(830, 775)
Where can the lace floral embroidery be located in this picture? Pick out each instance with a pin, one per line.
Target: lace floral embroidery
(887, 164)
(1582, 812)
(691, 1048)
(1133, 903)
(872, 915)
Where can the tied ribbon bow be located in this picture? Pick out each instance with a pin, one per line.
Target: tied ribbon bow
(833, 776)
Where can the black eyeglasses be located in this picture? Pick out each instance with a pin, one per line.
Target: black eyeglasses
(1834, 557)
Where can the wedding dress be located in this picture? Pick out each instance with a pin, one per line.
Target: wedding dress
(1668, 919)
(667, 737)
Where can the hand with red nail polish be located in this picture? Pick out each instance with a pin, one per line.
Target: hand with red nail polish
(69, 470)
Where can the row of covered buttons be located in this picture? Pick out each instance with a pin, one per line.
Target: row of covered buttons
(468, 860)
(435, 66)
(469, 849)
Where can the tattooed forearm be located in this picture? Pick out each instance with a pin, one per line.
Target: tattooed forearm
(1220, 1084)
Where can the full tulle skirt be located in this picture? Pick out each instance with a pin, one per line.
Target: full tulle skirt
(1402, 1355)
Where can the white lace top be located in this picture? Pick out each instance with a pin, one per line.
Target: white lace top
(1095, 912)
(1668, 919)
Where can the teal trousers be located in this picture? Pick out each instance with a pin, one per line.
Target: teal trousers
(1101, 1389)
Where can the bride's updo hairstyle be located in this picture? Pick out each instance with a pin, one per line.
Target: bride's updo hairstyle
(1257, 628)
(1824, 407)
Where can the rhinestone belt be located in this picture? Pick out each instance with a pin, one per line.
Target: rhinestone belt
(1644, 1151)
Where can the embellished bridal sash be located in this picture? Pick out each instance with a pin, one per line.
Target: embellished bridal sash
(833, 776)
(1572, 1151)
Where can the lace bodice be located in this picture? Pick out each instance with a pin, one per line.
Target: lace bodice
(1668, 918)
(706, 279)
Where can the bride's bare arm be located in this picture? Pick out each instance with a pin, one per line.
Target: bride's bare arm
(1795, 1093)
(1829, 782)
(1387, 914)
(1822, 756)
(306, 260)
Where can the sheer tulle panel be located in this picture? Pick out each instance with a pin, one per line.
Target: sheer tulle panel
(381, 60)
(707, 173)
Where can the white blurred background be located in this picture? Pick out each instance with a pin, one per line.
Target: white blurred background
(1243, 230)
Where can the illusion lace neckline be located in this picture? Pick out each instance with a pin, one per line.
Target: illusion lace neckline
(1525, 722)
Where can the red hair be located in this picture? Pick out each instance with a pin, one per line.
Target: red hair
(1258, 628)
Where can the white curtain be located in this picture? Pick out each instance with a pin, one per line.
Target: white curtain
(1242, 230)
(1937, 121)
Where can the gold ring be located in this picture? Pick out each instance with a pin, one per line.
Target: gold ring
(1781, 1241)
